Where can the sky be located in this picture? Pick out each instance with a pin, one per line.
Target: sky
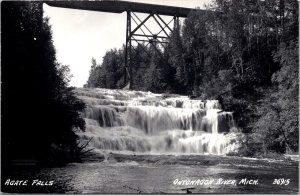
(81, 35)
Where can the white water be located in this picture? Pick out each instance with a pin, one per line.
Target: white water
(144, 122)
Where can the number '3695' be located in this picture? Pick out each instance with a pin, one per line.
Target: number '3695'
(281, 181)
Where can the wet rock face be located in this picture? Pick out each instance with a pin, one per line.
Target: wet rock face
(121, 120)
(225, 122)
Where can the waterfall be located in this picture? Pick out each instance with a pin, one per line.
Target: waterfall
(123, 120)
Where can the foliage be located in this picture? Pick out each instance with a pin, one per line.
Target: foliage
(279, 111)
(109, 73)
(39, 110)
(243, 51)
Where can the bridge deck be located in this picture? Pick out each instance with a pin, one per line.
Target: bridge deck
(121, 6)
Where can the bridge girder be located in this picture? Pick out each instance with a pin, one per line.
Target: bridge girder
(114, 6)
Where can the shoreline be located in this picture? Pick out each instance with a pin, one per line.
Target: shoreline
(188, 160)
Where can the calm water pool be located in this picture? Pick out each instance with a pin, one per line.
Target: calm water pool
(130, 176)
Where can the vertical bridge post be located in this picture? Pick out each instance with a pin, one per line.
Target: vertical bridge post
(128, 31)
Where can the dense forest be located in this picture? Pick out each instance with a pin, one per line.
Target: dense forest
(39, 112)
(244, 52)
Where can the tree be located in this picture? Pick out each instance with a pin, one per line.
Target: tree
(109, 74)
(280, 109)
(39, 110)
(94, 77)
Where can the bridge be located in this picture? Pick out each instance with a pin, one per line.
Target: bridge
(152, 10)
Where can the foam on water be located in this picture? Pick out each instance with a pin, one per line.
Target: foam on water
(120, 120)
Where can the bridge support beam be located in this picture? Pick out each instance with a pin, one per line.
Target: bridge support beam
(143, 36)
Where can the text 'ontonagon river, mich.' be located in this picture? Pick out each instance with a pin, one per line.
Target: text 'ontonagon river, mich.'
(144, 122)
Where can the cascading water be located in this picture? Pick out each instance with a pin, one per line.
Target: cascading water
(120, 120)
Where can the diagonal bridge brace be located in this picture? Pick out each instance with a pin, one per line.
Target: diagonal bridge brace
(148, 37)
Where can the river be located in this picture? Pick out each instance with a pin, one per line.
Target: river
(121, 173)
(158, 143)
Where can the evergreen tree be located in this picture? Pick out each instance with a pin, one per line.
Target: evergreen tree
(39, 111)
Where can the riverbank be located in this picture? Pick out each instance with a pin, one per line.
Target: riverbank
(140, 173)
(204, 160)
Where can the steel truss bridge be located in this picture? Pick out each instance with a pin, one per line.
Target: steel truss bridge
(151, 10)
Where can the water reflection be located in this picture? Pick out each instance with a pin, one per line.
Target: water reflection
(131, 177)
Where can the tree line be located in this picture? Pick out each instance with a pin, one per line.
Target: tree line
(245, 52)
(39, 112)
